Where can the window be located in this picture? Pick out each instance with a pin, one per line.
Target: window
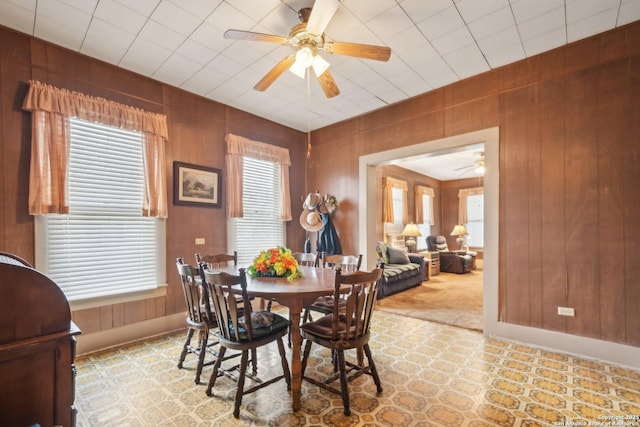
(425, 225)
(397, 200)
(103, 246)
(475, 220)
(260, 227)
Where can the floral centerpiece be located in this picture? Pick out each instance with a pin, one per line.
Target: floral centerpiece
(275, 262)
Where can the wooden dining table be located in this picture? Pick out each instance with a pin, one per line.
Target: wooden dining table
(295, 295)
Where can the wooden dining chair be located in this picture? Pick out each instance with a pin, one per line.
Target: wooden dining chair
(347, 263)
(308, 259)
(345, 330)
(217, 260)
(196, 318)
(240, 328)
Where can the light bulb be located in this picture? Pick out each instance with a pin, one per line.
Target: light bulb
(320, 65)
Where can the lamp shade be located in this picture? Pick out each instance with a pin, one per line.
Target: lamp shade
(411, 230)
(459, 230)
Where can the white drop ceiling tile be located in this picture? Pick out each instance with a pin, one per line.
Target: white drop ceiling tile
(203, 82)
(256, 10)
(106, 50)
(171, 16)
(342, 23)
(87, 6)
(29, 5)
(143, 7)
(441, 23)
(225, 65)
(453, 41)
(196, 52)
(472, 10)
(437, 73)
(144, 57)
(243, 52)
(104, 39)
(162, 36)
(547, 22)
(629, 12)
(280, 20)
(419, 10)
(416, 88)
(18, 18)
(210, 37)
(592, 25)
(467, 62)
(358, 34)
(121, 16)
(367, 9)
(198, 8)
(493, 23)
(505, 39)
(544, 42)
(411, 44)
(578, 10)
(226, 17)
(65, 36)
(390, 23)
(177, 69)
(507, 55)
(63, 14)
(525, 10)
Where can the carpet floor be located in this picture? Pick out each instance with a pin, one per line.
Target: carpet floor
(447, 298)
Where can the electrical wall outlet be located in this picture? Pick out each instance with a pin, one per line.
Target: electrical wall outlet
(566, 311)
(199, 240)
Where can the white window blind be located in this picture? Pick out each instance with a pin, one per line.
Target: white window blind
(104, 246)
(261, 227)
(425, 227)
(475, 220)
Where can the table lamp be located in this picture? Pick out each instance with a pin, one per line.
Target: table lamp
(411, 230)
(460, 232)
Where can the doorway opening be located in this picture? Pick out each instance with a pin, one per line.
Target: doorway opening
(368, 191)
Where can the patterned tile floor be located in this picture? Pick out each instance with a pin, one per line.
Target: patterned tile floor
(432, 374)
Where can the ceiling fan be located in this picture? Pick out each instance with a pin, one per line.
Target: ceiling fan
(478, 166)
(307, 38)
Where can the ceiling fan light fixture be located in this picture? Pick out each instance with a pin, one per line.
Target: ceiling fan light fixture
(480, 168)
(298, 69)
(320, 65)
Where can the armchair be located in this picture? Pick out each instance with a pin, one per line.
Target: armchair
(450, 262)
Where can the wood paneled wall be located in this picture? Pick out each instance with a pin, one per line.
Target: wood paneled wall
(569, 167)
(197, 128)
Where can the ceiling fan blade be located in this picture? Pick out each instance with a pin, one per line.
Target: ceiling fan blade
(274, 73)
(321, 14)
(256, 37)
(367, 51)
(328, 85)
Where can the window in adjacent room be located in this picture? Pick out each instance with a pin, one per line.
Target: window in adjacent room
(104, 246)
(425, 225)
(261, 227)
(475, 220)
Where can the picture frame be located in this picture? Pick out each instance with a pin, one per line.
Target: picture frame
(195, 185)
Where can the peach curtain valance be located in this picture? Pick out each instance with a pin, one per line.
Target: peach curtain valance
(462, 201)
(43, 97)
(239, 147)
(422, 191)
(51, 108)
(388, 185)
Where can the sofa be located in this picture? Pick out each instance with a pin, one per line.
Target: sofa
(401, 270)
(450, 262)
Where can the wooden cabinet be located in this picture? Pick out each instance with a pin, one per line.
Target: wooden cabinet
(37, 349)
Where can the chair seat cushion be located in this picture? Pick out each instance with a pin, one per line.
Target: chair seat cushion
(261, 325)
(323, 327)
(325, 304)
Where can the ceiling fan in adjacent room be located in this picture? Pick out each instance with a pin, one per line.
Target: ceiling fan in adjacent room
(307, 38)
(478, 166)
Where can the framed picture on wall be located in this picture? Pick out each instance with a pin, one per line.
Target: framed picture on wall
(195, 185)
